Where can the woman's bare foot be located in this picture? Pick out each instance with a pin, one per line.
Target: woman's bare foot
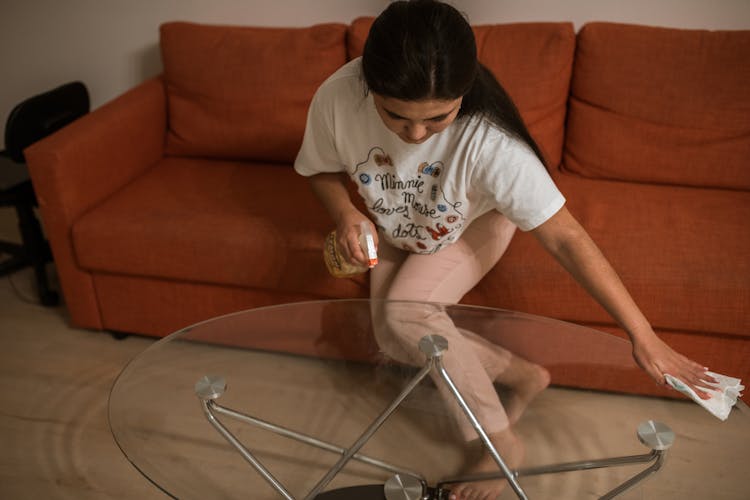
(511, 450)
(524, 381)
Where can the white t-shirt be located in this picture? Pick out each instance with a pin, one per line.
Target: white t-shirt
(423, 196)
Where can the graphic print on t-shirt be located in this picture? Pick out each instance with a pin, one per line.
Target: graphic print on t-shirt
(408, 202)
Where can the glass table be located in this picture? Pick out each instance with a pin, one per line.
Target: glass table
(301, 401)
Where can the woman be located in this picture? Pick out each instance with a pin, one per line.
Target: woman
(448, 171)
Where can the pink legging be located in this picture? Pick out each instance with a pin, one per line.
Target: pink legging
(445, 277)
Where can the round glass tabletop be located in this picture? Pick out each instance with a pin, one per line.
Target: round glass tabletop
(336, 399)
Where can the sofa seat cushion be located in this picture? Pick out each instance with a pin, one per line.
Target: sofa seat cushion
(533, 62)
(215, 222)
(238, 92)
(660, 105)
(682, 253)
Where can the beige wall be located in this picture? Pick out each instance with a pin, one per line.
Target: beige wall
(112, 44)
(693, 14)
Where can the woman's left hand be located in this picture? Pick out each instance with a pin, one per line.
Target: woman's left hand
(568, 242)
(658, 359)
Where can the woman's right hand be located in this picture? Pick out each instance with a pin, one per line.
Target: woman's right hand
(347, 237)
(331, 190)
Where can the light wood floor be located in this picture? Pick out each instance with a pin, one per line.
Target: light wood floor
(55, 440)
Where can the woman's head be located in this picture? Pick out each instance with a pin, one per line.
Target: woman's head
(418, 50)
(416, 121)
(420, 63)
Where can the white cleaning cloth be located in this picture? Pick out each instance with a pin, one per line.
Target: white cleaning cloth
(724, 393)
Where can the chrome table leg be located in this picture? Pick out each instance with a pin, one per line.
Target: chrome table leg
(658, 436)
(409, 485)
(433, 346)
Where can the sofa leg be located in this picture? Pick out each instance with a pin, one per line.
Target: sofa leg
(118, 335)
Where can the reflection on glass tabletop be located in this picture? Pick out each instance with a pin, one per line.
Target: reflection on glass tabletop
(297, 385)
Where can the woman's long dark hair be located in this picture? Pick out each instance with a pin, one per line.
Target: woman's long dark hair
(425, 49)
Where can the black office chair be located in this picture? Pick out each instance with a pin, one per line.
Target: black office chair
(30, 121)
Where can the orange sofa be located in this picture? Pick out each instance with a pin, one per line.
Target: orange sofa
(177, 201)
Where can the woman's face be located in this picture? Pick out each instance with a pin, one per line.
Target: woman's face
(416, 121)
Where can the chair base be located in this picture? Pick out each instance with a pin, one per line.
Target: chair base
(34, 252)
(16, 261)
(47, 297)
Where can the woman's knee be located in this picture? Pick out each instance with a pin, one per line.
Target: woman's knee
(400, 324)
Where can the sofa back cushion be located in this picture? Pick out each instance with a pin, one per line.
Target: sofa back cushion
(660, 105)
(532, 61)
(243, 92)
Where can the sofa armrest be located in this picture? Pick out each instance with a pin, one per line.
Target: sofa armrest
(83, 164)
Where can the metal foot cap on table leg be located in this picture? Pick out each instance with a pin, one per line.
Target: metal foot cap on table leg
(655, 435)
(403, 487)
(433, 345)
(210, 387)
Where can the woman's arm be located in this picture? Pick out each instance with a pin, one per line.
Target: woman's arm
(564, 238)
(332, 192)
